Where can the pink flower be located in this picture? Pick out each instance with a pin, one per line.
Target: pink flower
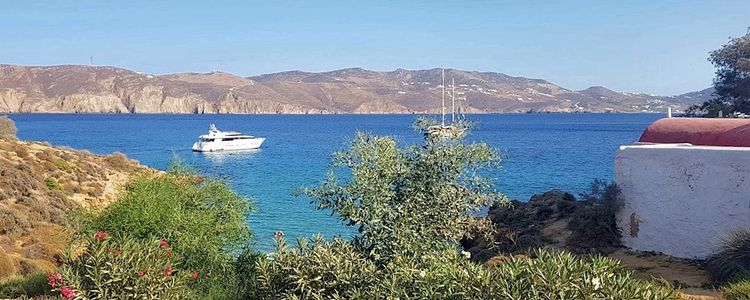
(168, 252)
(54, 279)
(195, 275)
(67, 293)
(163, 243)
(101, 235)
(116, 251)
(278, 234)
(168, 272)
(141, 273)
(51, 280)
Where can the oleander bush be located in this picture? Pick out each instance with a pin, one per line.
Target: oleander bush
(733, 257)
(202, 219)
(104, 267)
(335, 269)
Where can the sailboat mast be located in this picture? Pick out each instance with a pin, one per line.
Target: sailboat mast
(453, 100)
(442, 77)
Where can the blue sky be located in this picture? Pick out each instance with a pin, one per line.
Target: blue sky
(640, 46)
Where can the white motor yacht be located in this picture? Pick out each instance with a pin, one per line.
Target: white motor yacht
(217, 140)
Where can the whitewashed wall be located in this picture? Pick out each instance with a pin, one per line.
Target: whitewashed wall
(679, 199)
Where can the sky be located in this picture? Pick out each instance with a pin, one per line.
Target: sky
(649, 46)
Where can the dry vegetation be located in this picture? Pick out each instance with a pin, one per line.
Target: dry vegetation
(39, 185)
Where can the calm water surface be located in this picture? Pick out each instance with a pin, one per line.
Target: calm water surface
(540, 152)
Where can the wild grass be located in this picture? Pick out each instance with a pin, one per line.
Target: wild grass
(733, 258)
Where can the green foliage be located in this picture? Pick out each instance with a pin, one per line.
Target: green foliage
(7, 128)
(596, 222)
(123, 268)
(52, 184)
(407, 201)
(317, 269)
(32, 285)
(203, 220)
(737, 291)
(62, 165)
(733, 258)
(732, 81)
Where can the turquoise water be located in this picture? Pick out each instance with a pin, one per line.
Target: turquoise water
(541, 152)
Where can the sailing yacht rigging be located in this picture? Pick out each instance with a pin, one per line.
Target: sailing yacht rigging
(453, 129)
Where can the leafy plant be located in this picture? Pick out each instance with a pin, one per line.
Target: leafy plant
(408, 201)
(52, 184)
(733, 257)
(319, 269)
(737, 291)
(202, 218)
(31, 285)
(122, 268)
(595, 223)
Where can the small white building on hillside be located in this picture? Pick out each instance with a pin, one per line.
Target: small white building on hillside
(685, 185)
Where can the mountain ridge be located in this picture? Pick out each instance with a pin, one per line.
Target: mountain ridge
(108, 89)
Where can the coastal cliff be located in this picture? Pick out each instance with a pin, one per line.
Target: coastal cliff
(87, 89)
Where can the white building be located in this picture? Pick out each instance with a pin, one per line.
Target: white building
(685, 184)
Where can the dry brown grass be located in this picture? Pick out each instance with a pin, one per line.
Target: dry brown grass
(39, 186)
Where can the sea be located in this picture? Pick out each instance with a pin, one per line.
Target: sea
(539, 152)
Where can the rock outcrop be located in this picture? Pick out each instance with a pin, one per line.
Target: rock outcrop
(86, 89)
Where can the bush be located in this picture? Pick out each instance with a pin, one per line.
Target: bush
(52, 184)
(203, 219)
(595, 223)
(7, 128)
(123, 268)
(32, 285)
(737, 291)
(337, 270)
(406, 201)
(733, 258)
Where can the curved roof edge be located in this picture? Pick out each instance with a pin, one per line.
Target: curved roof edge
(699, 131)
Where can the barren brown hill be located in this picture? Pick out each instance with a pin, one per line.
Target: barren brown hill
(86, 89)
(40, 186)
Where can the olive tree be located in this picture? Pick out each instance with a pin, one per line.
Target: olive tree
(405, 201)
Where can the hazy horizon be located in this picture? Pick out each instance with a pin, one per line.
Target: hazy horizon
(638, 46)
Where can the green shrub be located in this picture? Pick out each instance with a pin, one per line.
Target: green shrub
(595, 223)
(7, 128)
(733, 257)
(337, 270)
(123, 268)
(737, 291)
(203, 219)
(62, 165)
(32, 285)
(52, 184)
(407, 201)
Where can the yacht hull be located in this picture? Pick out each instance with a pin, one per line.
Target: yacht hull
(243, 144)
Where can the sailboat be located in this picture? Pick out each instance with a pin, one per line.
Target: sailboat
(451, 130)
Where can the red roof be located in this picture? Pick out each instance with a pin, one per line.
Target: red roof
(699, 131)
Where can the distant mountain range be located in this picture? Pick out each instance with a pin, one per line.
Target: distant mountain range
(88, 89)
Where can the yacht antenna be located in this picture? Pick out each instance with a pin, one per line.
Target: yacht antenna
(453, 100)
(442, 77)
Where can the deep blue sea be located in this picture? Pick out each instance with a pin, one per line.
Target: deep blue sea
(540, 152)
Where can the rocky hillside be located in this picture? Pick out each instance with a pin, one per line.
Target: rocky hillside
(39, 186)
(85, 89)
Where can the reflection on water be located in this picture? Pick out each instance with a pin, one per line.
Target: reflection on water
(229, 156)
